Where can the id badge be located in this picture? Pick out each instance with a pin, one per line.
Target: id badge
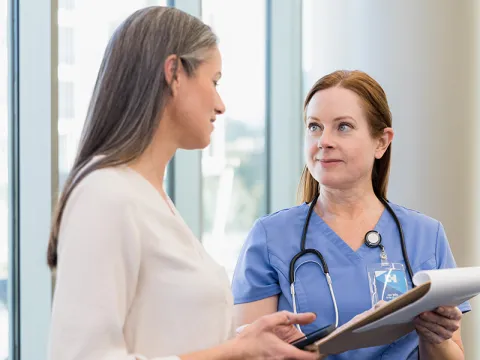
(387, 281)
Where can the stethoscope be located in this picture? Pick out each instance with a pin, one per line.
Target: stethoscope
(372, 239)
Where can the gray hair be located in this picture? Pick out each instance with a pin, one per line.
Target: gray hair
(131, 92)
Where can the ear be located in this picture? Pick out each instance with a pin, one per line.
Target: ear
(173, 70)
(384, 142)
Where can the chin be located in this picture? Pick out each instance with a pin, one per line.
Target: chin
(333, 182)
(198, 144)
(203, 143)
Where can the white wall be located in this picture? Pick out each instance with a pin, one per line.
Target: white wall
(425, 55)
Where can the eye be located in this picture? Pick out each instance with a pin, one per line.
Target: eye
(314, 127)
(344, 127)
(215, 83)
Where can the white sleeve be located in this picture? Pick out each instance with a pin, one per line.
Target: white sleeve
(98, 265)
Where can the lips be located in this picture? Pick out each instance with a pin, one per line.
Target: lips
(327, 161)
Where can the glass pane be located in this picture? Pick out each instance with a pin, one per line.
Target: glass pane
(84, 28)
(4, 328)
(234, 165)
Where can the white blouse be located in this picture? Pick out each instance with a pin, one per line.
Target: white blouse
(133, 282)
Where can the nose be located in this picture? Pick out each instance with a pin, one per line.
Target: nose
(219, 106)
(325, 140)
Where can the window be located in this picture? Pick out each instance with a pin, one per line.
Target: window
(66, 4)
(234, 165)
(65, 106)
(4, 227)
(84, 30)
(65, 46)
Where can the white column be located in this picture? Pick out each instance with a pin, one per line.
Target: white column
(425, 55)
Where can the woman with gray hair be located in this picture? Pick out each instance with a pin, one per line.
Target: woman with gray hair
(132, 281)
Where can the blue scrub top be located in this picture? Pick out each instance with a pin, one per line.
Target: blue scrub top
(263, 268)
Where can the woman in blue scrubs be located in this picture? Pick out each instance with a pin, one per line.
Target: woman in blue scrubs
(347, 149)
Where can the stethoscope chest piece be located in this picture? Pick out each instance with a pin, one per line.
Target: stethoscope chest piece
(373, 239)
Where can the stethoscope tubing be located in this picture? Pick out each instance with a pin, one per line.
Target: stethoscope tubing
(323, 263)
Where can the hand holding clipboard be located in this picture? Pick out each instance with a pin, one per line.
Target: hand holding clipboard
(387, 323)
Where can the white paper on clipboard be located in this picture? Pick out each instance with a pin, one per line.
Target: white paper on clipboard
(448, 287)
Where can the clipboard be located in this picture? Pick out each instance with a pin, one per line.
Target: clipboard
(386, 324)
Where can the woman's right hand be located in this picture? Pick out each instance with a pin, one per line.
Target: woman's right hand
(262, 339)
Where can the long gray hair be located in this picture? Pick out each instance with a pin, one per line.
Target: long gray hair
(131, 92)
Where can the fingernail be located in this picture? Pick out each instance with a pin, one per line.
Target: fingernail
(441, 310)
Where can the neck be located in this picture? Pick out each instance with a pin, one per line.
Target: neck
(154, 160)
(348, 204)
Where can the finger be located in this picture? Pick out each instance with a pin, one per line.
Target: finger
(286, 318)
(432, 317)
(303, 318)
(450, 312)
(435, 329)
(380, 304)
(427, 334)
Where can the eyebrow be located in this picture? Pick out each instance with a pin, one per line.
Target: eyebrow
(338, 118)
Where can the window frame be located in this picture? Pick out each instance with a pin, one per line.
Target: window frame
(33, 100)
